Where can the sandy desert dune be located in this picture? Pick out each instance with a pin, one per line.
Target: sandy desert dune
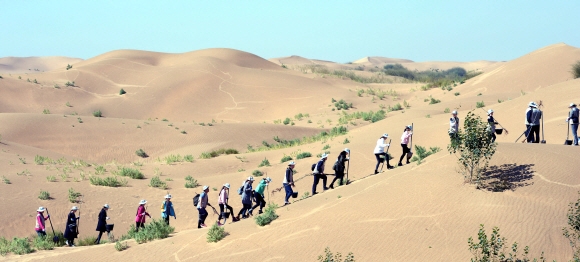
(412, 213)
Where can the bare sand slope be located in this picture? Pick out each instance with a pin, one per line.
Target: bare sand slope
(407, 214)
(11, 65)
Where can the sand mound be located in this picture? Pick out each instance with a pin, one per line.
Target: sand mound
(35, 64)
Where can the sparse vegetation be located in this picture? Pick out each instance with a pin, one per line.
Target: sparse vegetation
(257, 173)
(121, 246)
(494, 248)
(572, 232)
(480, 104)
(111, 181)
(268, 216)
(5, 180)
(434, 101)
(190, 182)
(576, 70)
(51, 178)
(141, 153)
(122, 92)
(188, 158)
(73, 195)
(157, 229)
(370, 116)
(170, 159)
(281, 143)
(68, 66)
(97, 113)
(330, 257)
(216, 153)
(285, 158)
(303, 155)
(70, 83)
(46, 112)
(157, 183)
(264, 162)
(421, 153)
(447, 110)
(457, 93)
(44, 195)
(346, 141)
(129, 172)
(342, 105)
(215, 233)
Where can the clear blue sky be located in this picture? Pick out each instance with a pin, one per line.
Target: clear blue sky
(339, 31)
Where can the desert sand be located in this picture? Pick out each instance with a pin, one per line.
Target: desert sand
(416, 212)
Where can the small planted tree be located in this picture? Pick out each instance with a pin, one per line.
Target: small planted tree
(473, 147)
(495, 248)
(215, 234)
(576, 69)
(572, 232)
(335, 257)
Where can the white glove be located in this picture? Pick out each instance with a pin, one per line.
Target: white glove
(107, 218)
(387, 144)
(143, 214)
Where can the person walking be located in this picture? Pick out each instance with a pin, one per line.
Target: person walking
(201, 205)
(573, 120)
(380, 153)
(141, 215)
(318, 173)
(102, 223)
(259, 195)
(167, 209)
(453, 124)
(491, 124)
(288, 182)
(246, 197)
(223, 204)
(404, 142)
(340, 167)
(40, 219)
(70, 231)
(533, 117)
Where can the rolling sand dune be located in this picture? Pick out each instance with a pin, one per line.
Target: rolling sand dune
(34, 64)
(412, 213)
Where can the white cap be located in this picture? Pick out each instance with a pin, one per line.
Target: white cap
(532, 104)
(324, 156)
(572, 105)
(168, 196)
(250, 178)
(489, 111)
(385, 135)
(347, 150)
(454, 112)
(106, 205)
(41, 209)
(227, 185)
(205, 187)
(74, 208)
(268, 179)
(291, 163)
(143, 202)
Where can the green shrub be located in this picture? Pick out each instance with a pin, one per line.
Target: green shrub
(190, 182)
(457, 93)
(303, 155)
(480, 104)
(188, 158)
(282, 143)
(494, 248)
(572, 232)
(421, 153)
(434, 101)
(141, 153)
(286, 121)
(5, 180)
(122, 92)
(576, 70)
(73, 196)
(215, 233)
(157, 229)
(330, 257)
(129, 172)
(46, 112)
(346, 141)
(100, 170)
(216, 153)
(20, 246)
(111, 181)
(170, 159)
(264, 162)
(68, 66)
(157, 183)
(121, 246)
(44, 195)
(40, 160)
(447, 110)
(97, 113)
(257, 173)
(51, 178)
(268, 216)
(43, 243)
(87, 241)
(285, 158)
(342, 105)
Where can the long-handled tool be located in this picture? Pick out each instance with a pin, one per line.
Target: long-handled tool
(410, 154)
(386, 155)
(527, 130)
(504, 129)
(347, 166)
(568, 141)
(542, 117)
(78, 220)
(55, 237)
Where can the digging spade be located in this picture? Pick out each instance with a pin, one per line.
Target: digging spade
(410, 154)
(55, 237)
(386, 155)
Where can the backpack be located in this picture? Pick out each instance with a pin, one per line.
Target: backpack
(196, 200)
(335, 166)
(313, 166)
(241, 189)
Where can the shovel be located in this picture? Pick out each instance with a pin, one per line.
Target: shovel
(410, 154)
(543, 141)
(386, 155)
(568, 142)
(55, 237)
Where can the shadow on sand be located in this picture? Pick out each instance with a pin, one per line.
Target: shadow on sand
(507, 177)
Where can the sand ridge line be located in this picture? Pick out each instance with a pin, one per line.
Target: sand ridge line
(554, 182)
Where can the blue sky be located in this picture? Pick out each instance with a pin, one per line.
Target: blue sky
(339, 31)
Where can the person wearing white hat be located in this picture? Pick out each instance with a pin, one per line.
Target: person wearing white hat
(533, 116)
(288, 182)
(259, 195)
(246, 192)
(70, 231)
(491, 124)
(404, 142)
(453, 124)
(201, 205)
(141, 215)
(380, 153)
(318, 173)
(102, 223)
(40, 219)
(223, 204)
(167, 209)
(339, 167)
(573, 120)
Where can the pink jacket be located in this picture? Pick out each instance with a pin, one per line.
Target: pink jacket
(405, 137)
(141, 214)
(223, 196)
(40, 222)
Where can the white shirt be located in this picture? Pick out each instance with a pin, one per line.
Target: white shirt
(380, 148)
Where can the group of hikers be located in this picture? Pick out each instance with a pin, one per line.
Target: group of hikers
(533, 118)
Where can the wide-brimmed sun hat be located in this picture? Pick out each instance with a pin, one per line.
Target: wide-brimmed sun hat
(385, 135)
(347, 150)
(205, 187)
(489, 111)
(168, 196)
(106, 206)
(454, 112)
(268, 179)
(572, 105)
(324, 156)
(532, 104)
(142, 202)
(251, 178)
(291, 163)
(41, 209)
(227, 185)
(74, 208)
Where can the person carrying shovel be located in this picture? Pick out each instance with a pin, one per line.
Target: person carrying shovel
(404, 144)
(573, 120)
(491, 124)
(380, 152)
(40, 220)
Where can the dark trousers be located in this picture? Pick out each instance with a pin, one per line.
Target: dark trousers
(289, 192)
(139, 225)
(493, 137)
(317, 178)
(71, 241)
(202, 216)
(405, 151)
(259, 201)
(534, 134)
(166, 220)
(98, 240)
(41, 233)
(381, 160)
(225, 206)
(338, 175)
(245, 208)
